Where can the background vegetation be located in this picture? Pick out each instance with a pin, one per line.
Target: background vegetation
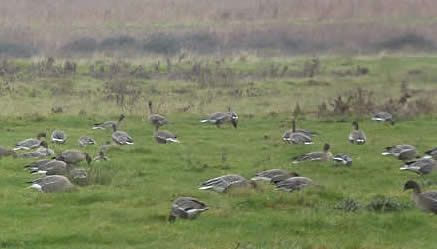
(265, 27)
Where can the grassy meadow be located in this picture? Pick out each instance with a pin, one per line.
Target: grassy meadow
(129, 199)
(128, 207)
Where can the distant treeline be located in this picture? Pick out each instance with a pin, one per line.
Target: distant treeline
(211, 43)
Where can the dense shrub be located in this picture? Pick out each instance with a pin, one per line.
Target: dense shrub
(407, 40)
(118, 42)
(201, 42)
(16, 49)
(161, 43)
(82, 45)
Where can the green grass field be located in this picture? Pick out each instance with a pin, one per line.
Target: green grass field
(130, 209)
(129, 200)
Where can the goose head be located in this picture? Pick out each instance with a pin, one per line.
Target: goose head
(326, 147)
(294, 174)
(355, 124)
(150, 107)
(88, 158)
(412, 185)
(44, 144)
(40, 135)
(122, 116)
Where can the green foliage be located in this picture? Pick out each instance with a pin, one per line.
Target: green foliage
(386, 204)
(348, 205)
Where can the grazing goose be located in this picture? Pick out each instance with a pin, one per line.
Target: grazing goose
(293, 183)
(219, 118)
(270, 174)
(225, 183)
(74, 156)
(78, 176)
(55, 183)
(103, 125)
(85, 140)
(156, 119)
(53, 167)
(30, 143)
(357, 136)
(106, 146)
(422, 166)
(427, 201)
(164, 137)
(315, 156)
(383, 117)
(294, 136)
(42, 151)
(186, 208)
(121, 137)
(402, 152)
(101, 157)
(36, 164)
(6, 152)
(344, 159)
(59, 137)
(431, 154)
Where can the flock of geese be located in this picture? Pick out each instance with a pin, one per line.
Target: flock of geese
(61, 174)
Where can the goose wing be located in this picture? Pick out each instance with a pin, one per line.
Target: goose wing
(59, 137)
(293, 183)
(28, 144)
(267, 175)
(122, 138)
(297, 138)
(357, 137)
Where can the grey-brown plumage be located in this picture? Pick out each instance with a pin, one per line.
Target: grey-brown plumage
(293, 183)
(42, 151)
(86, 140)
(219, 118)
(6, 152)
(422, 166)
(324, 155)
(121, 137)
(53, 167)
(268, 175)
(427, 201)
(383, 117)
(431, 154)
(106, 146)
(78, 176)
(55, 183)
(156, 119)
(101, 157)
(106, 124)
(164, 137)
(186, 208)
(343, 159)
(59, 137)
(227, 182)
(30, 143)
(74, 156)
(357, 136)
(36, 164)
(294, 136)
(401, 152)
